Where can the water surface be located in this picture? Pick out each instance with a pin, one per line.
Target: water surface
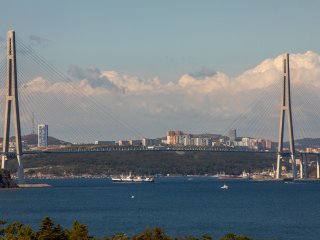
(181, 206)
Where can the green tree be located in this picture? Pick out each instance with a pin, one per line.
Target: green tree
(232, 236)
(79, 232)
(206, 237)
(48, 231)
(119, 236)
(152, 234)
(2, 224)
(17, 231)
(26, 233)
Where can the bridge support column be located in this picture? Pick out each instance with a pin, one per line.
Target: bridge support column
(286, 110)
(279, 165)
(301, 166)
(318, 169)
(3, 161)
(293, 166)
(20, 169)
(12, 101)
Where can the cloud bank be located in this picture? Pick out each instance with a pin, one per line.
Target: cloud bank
(204, 101)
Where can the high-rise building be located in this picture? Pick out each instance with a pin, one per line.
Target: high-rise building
(232, 135)
(173, 139)
(42, 135)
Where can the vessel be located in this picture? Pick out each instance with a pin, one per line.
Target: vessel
(243, 176)
(132, 179)
(225, 186)
(288, 179)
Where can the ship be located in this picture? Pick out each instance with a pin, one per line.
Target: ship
(242, 176)
(132, 179)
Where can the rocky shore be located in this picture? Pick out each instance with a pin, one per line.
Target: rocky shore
(5, 180)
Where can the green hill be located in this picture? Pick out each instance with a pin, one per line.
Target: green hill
(182, 163)
(33, 139)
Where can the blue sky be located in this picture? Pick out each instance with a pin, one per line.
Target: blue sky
(143, 60)
(164, 38)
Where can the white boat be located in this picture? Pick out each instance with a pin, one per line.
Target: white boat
(225, 186)
(132, 179)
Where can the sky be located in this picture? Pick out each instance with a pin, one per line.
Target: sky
(168, 56)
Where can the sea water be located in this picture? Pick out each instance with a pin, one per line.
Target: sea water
(181, 206)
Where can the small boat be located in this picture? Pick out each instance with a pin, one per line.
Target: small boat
(132, 179)
(243, 176)
(225, 186)
(288, 179)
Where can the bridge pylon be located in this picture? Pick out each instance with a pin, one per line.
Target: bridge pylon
(12, 101)
(318, 167)
(285, 109)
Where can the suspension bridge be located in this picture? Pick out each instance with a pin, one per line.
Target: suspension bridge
(33, 94)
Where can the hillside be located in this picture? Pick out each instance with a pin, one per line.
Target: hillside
(184, 163)
(305, 142)
(33, 139)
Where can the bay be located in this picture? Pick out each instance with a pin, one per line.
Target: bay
(180, 205)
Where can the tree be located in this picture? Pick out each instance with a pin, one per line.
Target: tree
(48, 231)
(26, 233)
(2, 223)
(232, 236)
(16, 231)
(79, 232)
(152, 234)
(206, 237)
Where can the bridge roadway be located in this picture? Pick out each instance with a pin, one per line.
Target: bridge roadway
(91, 149)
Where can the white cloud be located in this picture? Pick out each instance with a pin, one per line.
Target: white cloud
(131, 83)
(205, 101)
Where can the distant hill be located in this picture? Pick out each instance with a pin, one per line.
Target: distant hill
(33, 139)
(206, 135)
(305, 142)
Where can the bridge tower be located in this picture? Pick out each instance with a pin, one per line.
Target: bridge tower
(286, 109)
(12, 99)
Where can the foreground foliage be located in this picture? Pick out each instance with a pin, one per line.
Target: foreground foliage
(48, 230)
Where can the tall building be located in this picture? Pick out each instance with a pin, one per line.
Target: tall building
(42, 135)
(232, 135)
(173, 137)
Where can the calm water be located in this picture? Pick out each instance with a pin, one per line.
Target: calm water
(182, 206)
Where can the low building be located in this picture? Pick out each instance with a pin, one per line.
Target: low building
(151, 142)
(188, 140)
(123, 143)
(180, 139)
(202, 142)
(98, 142)
(135, 142)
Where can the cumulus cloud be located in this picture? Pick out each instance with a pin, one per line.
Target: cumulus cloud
(203, 101)
(203, 73)
(130, 83)
(91, 76)
(38, 84)
(204, 84)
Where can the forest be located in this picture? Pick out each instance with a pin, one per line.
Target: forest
(146, 163)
